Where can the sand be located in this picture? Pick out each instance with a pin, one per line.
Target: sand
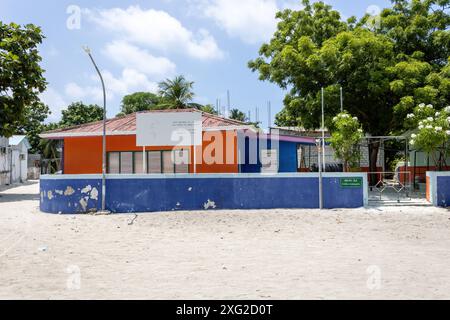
(387, 253)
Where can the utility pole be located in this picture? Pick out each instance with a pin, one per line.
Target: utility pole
(342, 101)
(319, 147)
(269, 113)
(88, 51)
(323, 131)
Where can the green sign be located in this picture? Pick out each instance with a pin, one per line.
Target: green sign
(351, 182)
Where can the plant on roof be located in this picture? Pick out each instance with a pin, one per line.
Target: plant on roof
(432, 132)
(346, 135)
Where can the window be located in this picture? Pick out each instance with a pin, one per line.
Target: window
(126, 162)
(138, 163)
(167, 162)
(114, 162)
(181, 158)
(154, 162)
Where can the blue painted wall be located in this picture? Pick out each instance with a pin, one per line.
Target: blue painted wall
(70, 195)
(169, 194)
(287, 157)
(443, 191)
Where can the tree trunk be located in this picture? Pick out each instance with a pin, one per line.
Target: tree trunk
(374, 146)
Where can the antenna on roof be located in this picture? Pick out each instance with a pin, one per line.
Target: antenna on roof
(257, 114)
(228, 104)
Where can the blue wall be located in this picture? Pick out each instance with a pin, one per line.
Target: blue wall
(141, 194)
(443, 191)
(287, 156)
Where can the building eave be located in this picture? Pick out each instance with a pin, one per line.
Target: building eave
(62, 135)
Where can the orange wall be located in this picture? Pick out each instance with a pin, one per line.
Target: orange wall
(83, 155)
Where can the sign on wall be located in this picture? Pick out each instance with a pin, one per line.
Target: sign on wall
(351, 182)
(169, 129)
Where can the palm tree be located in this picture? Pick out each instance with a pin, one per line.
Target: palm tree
(237, 114)
(176, 93)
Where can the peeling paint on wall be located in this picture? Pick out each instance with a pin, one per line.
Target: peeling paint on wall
(209, 204)
(69, 191)
(60, 192)
(87, 189)
(49, 195)
(94, 194)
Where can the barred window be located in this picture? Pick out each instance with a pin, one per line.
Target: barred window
(158, 162)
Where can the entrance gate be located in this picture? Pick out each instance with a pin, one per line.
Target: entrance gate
(393, 185)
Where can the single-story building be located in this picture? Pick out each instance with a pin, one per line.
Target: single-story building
(14, 159)
(228, 146)
(309, 154)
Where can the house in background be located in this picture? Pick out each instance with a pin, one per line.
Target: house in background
(4, 161)
(14, 159)
(309, 153)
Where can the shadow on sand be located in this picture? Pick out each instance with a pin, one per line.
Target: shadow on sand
(7, 193)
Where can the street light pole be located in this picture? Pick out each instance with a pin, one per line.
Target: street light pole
(323, 131)
(88, 51)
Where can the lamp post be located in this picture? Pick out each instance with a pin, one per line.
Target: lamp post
(88, 51)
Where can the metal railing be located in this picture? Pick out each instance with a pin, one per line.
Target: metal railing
(391, 185)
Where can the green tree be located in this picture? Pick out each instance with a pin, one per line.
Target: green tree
(237, 114)
(345, 137)
(382, 76)
(139, 101)
(209, 108)
(432, 132)
(176, 94)
(34, 125)
(51, 158)
(21, 77)
(79, 113)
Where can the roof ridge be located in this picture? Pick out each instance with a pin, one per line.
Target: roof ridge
(127, 123)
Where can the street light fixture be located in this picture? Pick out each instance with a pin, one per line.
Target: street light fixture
(88, 51)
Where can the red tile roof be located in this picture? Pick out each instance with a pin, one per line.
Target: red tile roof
(127, 124)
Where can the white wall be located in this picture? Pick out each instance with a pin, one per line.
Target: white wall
(19, 168)
(4, 162)
(364, 156)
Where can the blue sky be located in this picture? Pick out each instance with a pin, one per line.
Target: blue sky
(139, 43)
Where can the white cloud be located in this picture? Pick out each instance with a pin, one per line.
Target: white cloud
(55, 102)
(130, 56)
(253, 21)
(116, 87)
(157, 30)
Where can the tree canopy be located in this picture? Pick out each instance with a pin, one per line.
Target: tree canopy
(383, 68)
(139, 101)
(34, 125)
(176, 93)
(386, 65)
(237, 114)
(79, 113)
(21, 77)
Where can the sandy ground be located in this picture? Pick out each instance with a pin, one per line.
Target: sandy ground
(389, 253)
